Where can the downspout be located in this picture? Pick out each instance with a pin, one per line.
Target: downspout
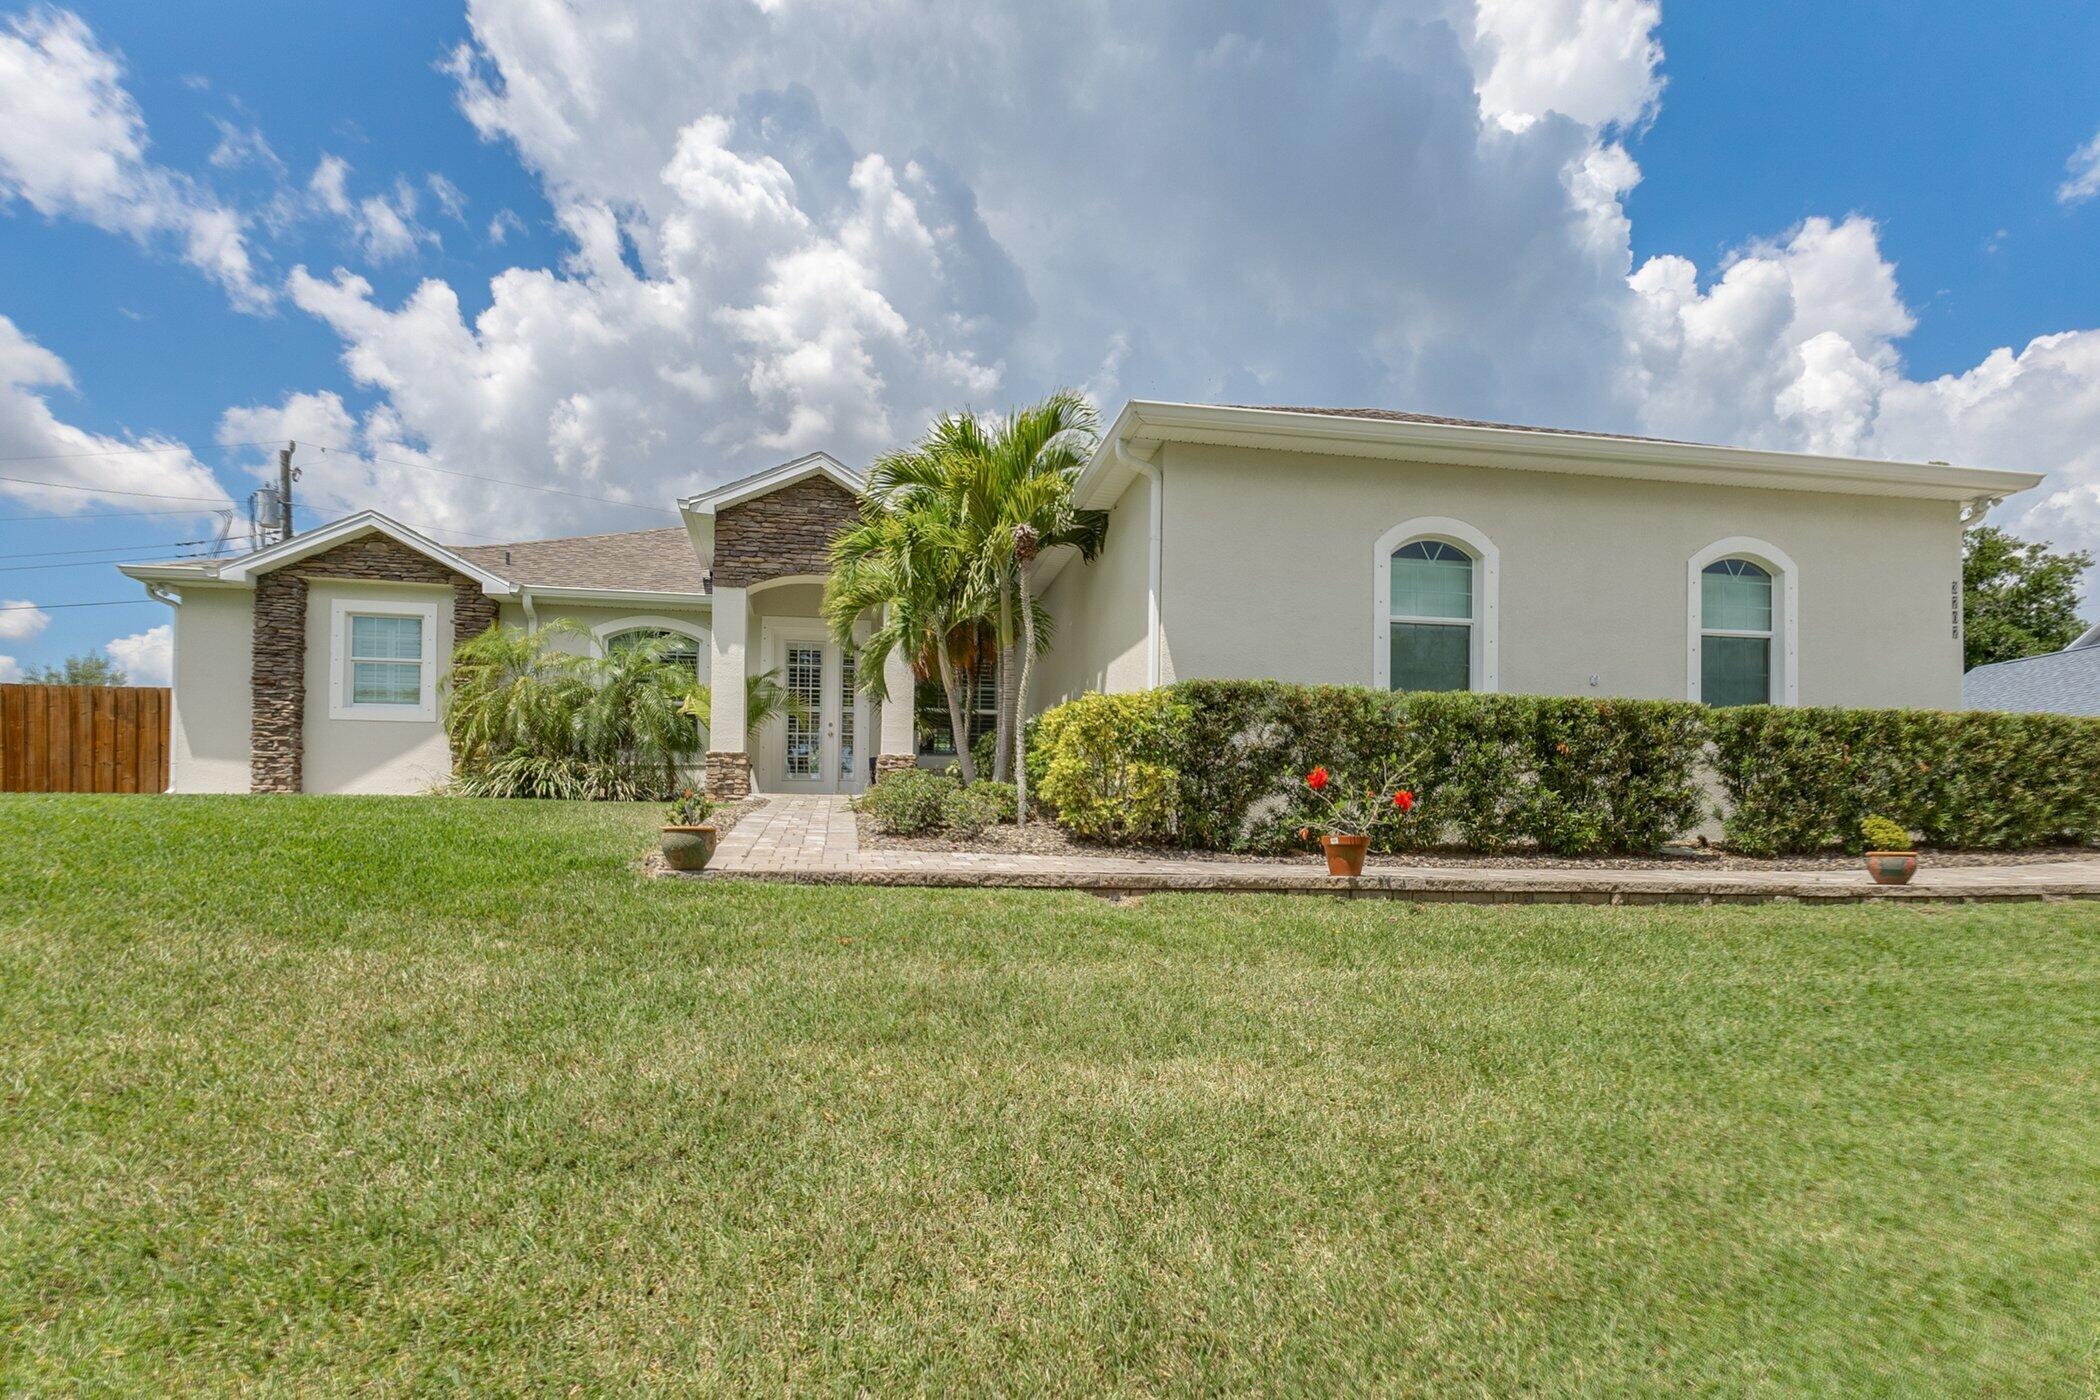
(532, 616)
(159, 593)
(1155, 554)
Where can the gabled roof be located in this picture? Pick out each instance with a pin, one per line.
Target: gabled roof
(648, 561)
(1144, 424)
(2058, 683)
(365, 522)
(773, 479)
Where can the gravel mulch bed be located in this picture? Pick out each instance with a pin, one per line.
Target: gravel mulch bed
(1043, 838)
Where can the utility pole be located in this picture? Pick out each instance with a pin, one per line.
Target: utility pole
(285, 477)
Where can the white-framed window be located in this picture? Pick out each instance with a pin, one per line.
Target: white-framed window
(382, 659)
(1741, 611)
(1434, 608)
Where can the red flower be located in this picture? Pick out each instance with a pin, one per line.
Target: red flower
(1404, 800)
(1317, 779)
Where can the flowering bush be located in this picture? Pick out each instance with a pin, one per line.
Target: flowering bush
(1345, 808)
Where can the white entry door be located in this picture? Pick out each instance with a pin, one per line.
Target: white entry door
(822, 748)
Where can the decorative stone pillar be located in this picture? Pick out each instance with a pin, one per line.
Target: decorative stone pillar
(728, 775)
(888, 763)
(277, 683)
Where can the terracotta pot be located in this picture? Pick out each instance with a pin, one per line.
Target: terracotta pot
(688, 847)
(1892, 867)
(1345, 854)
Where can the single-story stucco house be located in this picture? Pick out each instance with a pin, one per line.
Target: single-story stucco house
(1349, 546)
(2063, 682)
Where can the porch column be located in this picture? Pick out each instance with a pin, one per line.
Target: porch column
(899, 747)
(728, 765)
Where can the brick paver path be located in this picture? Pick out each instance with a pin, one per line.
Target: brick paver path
(813, 838)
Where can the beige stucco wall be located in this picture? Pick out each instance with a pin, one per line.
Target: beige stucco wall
(591, 617)
(370, 755)
(1268, 560)
(208, 736)
(1102, 610)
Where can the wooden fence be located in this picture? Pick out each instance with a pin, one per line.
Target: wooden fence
(83, 738)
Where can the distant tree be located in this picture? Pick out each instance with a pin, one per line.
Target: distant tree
(90, 668)
(2018, 598)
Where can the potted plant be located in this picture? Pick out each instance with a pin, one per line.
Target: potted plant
(1891, 859)
(689, 839)
(1349, 814)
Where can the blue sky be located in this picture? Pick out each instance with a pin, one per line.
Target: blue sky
(732, 234)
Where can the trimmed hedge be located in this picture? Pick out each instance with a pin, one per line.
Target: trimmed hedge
(1218, 765)
(1491, 771)
(1803, 779)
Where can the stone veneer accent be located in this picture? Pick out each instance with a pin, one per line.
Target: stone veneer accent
(277, 671)
(782, 533)
(888, 763)
(728, 775)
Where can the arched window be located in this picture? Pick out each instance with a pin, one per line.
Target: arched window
(1735, 633)
(1741, 612)
(1432, 617)
(684, 649)
(1434, 609)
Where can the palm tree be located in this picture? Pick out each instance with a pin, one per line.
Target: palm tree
(1034, 455)
(631, 715)
(903, 562)
(950, 537)
(511, 689)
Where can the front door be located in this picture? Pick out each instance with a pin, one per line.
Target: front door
(820, 745)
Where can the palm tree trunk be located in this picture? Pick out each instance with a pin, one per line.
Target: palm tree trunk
(1002, 644)
(1021, 695)
(956, 726)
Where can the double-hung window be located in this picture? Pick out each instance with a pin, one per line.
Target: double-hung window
(382, 662)
(1735, 633)
(1431, 617)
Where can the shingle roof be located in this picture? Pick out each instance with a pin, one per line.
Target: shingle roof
(2057, 683)
(1394, 415)
(650, 561)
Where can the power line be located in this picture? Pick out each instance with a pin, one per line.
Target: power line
(103, 563)
(49, 607)
(220, 501)
(68, 517)
(117, 452)
(496, 480)
(119, 548)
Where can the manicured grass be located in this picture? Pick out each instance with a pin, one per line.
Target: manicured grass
(336, 1093)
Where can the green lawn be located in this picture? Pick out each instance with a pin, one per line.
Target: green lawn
(334, 1093)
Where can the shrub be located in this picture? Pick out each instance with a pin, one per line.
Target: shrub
(1570, 776)
(1004, 797)
(1881, 834)
(968, 811)
(1107, 764)
(1802, 779)
(908, 803)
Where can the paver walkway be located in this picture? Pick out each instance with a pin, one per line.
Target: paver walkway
(814, 839)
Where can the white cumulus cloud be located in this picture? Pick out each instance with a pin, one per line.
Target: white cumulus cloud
(148, 657)
(61, 467)
(2082, 181)
(73, 144)
(20, 619)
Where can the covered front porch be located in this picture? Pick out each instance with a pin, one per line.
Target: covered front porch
(766, 541)
(835, 738)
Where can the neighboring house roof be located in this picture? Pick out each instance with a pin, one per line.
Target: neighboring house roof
(1143, 425)
(651, 561)
(2063, 682)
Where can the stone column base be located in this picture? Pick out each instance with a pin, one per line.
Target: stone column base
(728, 775)
(888, 763)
